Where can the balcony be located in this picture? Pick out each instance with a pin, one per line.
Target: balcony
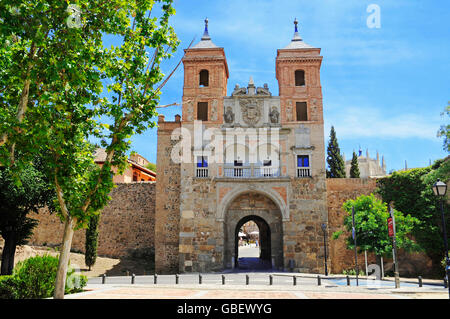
(202, 172)
(303, 172)
(251, 172)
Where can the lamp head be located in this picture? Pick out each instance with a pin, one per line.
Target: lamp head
(439, 188)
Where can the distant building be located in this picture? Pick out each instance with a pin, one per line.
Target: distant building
(136, 172)
(368, 167)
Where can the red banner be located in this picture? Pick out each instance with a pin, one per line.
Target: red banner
(390, 227)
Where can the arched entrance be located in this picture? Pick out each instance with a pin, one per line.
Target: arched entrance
(256, 207)
(262, 245)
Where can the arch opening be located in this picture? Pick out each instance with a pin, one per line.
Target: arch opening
(252, 244)
(262, 216)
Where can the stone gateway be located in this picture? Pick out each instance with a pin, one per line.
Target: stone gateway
(246, 157)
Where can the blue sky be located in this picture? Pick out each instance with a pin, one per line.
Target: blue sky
(383, 88)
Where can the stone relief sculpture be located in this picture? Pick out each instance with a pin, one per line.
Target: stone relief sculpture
(263, 90)
(251, 110)
(190, 111)
(239, 91)
(214, 110)
(229, 115)
(289, 111)
(274, 115)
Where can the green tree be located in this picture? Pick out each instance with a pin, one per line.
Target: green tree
(334, 158)
(411, 192)
(354, 169)
(371, 226)
(91, 242)
(152, 167)
(17, 201)
(69, 71)
(444, 130)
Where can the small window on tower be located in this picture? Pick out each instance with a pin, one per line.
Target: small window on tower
(204, 78)
(302, 113)
(299, 78)
(202, 111)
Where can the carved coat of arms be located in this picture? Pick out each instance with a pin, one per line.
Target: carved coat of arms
(251, 110)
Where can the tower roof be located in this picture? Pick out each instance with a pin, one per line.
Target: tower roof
(297, 41)
(205, 42)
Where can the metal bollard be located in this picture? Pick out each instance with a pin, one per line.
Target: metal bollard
(319, 281)
(348, 281)
(445, 282)
(420, 281)
(199, 279)
(270, 280)
(223, 279)
(247, 279)
(294, 280)
(177, 278)
(155, 279)
(103, 278)
(132, 278)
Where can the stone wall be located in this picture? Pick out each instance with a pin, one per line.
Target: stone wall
(340, 190)
(167, 214)
(127, 223)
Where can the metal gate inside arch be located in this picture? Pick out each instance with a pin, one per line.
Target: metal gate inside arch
(265, 213)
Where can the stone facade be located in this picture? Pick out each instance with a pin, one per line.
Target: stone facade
(127, 223)
(247, 145)
(167, 200)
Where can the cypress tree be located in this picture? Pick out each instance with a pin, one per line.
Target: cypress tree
(354, 169)
(91, 241)
(334, 159)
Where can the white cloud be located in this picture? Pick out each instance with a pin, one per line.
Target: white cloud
(372, 122)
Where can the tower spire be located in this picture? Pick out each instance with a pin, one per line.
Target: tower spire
(297, 36)
(206, 34)
(205, 42)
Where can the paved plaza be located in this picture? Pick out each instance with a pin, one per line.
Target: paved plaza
(260, 286)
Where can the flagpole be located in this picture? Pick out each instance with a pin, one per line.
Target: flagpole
(394, 242)
(354, 239)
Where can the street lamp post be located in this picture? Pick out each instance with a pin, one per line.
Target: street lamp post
(324, 229)
(440, 189)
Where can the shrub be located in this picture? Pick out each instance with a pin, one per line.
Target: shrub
(34, 278)
(352, 272)
(75, 282)
(7, 287)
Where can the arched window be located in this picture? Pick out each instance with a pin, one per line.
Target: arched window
(299, 78)
(204, 78)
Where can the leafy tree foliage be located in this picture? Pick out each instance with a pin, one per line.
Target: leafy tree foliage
(151, 166)
(57, 101)
(91, 242)
(354, 169)
(444, 130)
(411, 192)
(334, 159)
(17, 200)
(371, 226)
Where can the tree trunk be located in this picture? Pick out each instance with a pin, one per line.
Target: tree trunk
(9, 250)
(64, 258)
